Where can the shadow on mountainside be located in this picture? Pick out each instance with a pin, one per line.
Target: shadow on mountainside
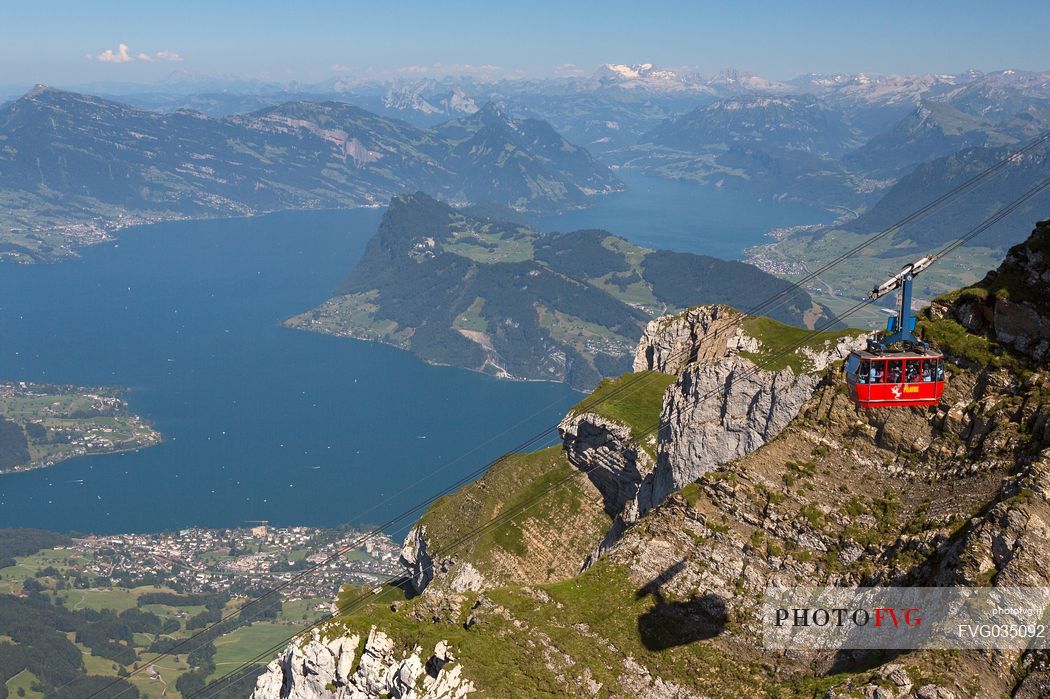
(671, 623)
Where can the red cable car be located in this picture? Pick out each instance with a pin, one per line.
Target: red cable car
(899, 370)
(895, 379)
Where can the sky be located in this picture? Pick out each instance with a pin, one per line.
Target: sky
(71, 43)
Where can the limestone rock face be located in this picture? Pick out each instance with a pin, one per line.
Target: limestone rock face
(1023, 327)
(703, 332)
(415, 556)
(719, 411)
(321, 670)
(1024, 323)
(721, 407)
(1014, 311)
(607, 453)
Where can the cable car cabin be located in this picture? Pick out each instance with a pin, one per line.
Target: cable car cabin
(883, 376)
(895, 380)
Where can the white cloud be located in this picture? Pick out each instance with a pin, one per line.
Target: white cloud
(119, 56)
(340, 68)
(122, 55)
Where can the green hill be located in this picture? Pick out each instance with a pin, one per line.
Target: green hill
(504, 299)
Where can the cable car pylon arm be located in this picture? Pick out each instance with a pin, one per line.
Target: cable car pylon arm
(901, 327)
(897, 280)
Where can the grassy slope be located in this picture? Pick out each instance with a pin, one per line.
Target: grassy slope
(521, 656)
(633, 399)
(533, 543)
(776, 337)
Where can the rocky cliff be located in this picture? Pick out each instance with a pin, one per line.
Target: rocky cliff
(1009, 304)
(718, 406)
(325, 668)
(793, 487)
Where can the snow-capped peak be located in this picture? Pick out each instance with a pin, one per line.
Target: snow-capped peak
(634, 71)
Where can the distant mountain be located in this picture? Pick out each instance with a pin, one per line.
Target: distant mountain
(423, 98)
(840, 140)
(774, 122)
(1001, 96)
(516, 161)
(213, 104)
(933, 130)
(873, 103)
(732, 81)
(70, 160)
(502, 298)
(930, 180)
(646, 76)
(779, 146)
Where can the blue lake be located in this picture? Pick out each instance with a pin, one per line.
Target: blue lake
(679, 215)
(263, 422)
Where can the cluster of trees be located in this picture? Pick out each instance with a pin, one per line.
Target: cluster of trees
(14, 447)
(38, 629)
(201, 657)
(25, 542)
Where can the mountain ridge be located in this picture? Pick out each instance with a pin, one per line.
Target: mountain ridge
(76, 166)
(501, 298)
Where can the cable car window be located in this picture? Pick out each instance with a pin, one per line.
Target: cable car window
(893, 371)
(940, 369)
(877, 372)
(928, 368)
(862, 372)
(911, 370)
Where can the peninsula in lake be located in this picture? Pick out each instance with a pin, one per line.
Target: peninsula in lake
(42, 424)
(499, 297)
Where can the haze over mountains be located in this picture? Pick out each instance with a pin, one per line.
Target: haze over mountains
(193, 147)
(70, 159)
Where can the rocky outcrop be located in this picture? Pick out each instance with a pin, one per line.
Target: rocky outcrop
(1009, 304)
(1020, 319)
(415, 556)
(605, 450)
(670, 343)
(320, 669)
(721, 407)
(720, 411)
(422, 568)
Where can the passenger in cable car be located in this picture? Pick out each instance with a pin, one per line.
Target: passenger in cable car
(876, 372)
(864, 372)
(926, 374)
(894, 372)
(940, 370)
(911, 370)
